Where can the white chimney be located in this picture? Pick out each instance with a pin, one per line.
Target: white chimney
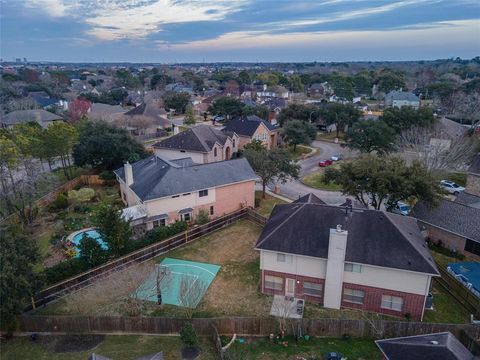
(128, 173)
(337, 245)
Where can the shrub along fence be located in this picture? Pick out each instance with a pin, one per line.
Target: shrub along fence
(149, 252)
(257, 326)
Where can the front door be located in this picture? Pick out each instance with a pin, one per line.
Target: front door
(289, 287)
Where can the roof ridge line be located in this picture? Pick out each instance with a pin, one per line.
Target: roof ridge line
(302, 205)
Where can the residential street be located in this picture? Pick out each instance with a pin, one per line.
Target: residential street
(294, 189)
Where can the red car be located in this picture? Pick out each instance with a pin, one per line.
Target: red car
(324, 163)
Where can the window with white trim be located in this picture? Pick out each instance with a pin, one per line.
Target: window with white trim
(203, 193)
(353, 267)
(160, 222)
(392, 302)
(264, 136)
(284, 258)
(273, 282)
(353, 296)
(312, 289)
(256, 137)
(186, 217)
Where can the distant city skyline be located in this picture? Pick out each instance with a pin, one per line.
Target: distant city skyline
(163, 31)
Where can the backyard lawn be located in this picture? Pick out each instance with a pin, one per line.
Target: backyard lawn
(299, 152)
(267, 204)
(118, 347)
(261, 348)
(330, 136)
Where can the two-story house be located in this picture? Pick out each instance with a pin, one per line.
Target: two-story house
(203, 144)
(346, 258)
(250, 128)
(402, 98)
(159, 192)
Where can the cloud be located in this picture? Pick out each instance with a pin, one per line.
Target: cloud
(53, 8)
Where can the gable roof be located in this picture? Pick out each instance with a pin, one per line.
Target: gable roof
(443, 346)
(42, 117)
(200, 138)
(247, 125)
(401, 95)
(152, 110)
(310, 199)
(374, 237)
(452, 216)
(156, 178)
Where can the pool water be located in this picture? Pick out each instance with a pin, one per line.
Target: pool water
(94, 234)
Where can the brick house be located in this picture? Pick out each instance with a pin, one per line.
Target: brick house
(346, 258)
(203, 144)
(159, 192)
(453, 224)
(250, 128)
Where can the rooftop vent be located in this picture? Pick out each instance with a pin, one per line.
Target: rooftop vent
(339, 228)
(434, 342)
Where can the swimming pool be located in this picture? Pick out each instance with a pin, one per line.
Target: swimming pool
(94, 234)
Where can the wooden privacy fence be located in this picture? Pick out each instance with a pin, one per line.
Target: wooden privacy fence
(238, 325)
(86, 278)
(463, 295)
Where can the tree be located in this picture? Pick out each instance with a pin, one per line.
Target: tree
(388, 80)
(370, 135)
(227, 106)
(259, 110)
(244, 78)
(105, 146)
(372, 180)
(271, 164)
(18, 279)
(299, 112)
(188, 335)
(342, 86)
(58, 141)
(91, 252)
(189, 116)
(403, 118)
(341, 115)
(298, 132)
(159, 81)
(115, 231)
(190, 293)
(77, 109)
(176, 101)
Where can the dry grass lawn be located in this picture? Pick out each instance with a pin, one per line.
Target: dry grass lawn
(233, 292)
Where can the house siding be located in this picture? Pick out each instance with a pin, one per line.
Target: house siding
(473, 184)
(449, 240)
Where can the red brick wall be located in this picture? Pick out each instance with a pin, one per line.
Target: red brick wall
(412, 303)
(298, 285)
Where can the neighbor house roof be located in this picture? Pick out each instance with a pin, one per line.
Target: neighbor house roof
(42, 117)
(452, 216)
(310, 199)
(152, 110)
(374, 237)
(401, 95)
(200, 138)
(443, 346)
(155, 178)
(475, 166)
(468, 199)
(246, 125)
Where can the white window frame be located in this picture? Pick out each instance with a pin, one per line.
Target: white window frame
(284, 258)
(182, 216)
(390, 302)
(264, 136)
(205, 193)
(257, 137)
(159, 222)
(316, 288)
(354, 296)
(273, 282)
(350, 267)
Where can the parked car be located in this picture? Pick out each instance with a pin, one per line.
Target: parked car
(401, 208)
(219, 118)
(324, 163)
(451, 187)
(334, 356)
(336, 157)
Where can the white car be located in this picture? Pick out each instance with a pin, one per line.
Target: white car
(401, 209)
(336, 157)
(451, 187)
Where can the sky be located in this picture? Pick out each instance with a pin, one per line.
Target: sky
(166, 31)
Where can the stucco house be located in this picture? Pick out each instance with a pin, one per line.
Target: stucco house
(453, 224)
(342, 257)
(250, 128)
(203, 144)
(402, 98)
(159, 192)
